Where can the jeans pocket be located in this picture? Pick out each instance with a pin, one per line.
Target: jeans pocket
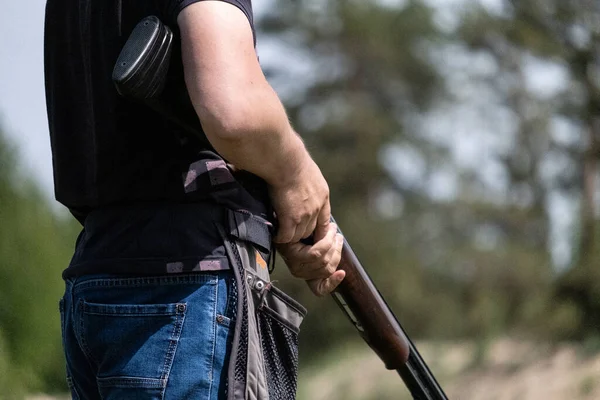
(279, 318)
(133, 346)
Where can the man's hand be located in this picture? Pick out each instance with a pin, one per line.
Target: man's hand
(301, 204)
(317, 263)
(303, 209)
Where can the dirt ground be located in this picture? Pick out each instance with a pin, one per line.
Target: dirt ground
(504, 370)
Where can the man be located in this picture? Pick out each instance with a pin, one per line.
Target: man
(166, 285)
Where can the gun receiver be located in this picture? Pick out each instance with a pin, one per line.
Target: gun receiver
(141, 73)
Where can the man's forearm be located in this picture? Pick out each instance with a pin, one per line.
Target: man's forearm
(240, 113)
(254, 135)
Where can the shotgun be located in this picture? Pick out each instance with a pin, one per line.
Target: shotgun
(141, 73)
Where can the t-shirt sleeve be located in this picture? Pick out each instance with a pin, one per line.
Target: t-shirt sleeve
(175, 7)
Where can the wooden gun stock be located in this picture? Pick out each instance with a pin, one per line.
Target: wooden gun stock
(140, 73)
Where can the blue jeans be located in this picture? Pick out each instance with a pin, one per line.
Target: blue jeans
(163, 337)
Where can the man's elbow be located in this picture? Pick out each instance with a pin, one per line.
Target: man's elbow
(231, 118)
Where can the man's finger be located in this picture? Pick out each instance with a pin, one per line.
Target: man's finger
(299, 231)
(321, 287)
(322, 246)
(323, 222)
(310, 228)
(337, 256)
(285, 231)
(312, 271)
(293, 250)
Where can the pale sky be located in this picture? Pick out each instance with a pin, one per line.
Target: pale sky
(22, 99)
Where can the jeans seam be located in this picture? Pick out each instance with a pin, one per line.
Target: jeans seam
(81, 338)
(214, 339)
(71, 386)
(202, 277)
(63, 316)
(130, 382)
(227, 310)
(173, 342)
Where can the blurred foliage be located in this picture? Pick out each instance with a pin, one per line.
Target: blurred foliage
(35, 246)
(565, 34)
(478, 262)
(387, 95)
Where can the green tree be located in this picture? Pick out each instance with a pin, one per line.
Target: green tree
(563, 34)
(35, 246)
(473, 259)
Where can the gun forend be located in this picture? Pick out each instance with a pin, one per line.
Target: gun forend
(358, 297)
(366, 308)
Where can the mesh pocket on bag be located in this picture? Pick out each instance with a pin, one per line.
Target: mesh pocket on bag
(279, 318)
(242, 354)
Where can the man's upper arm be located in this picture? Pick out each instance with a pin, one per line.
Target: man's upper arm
(219, 58)
(175, 7)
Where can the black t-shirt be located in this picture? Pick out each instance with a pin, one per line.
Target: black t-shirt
(108, 150)
(119, 166)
